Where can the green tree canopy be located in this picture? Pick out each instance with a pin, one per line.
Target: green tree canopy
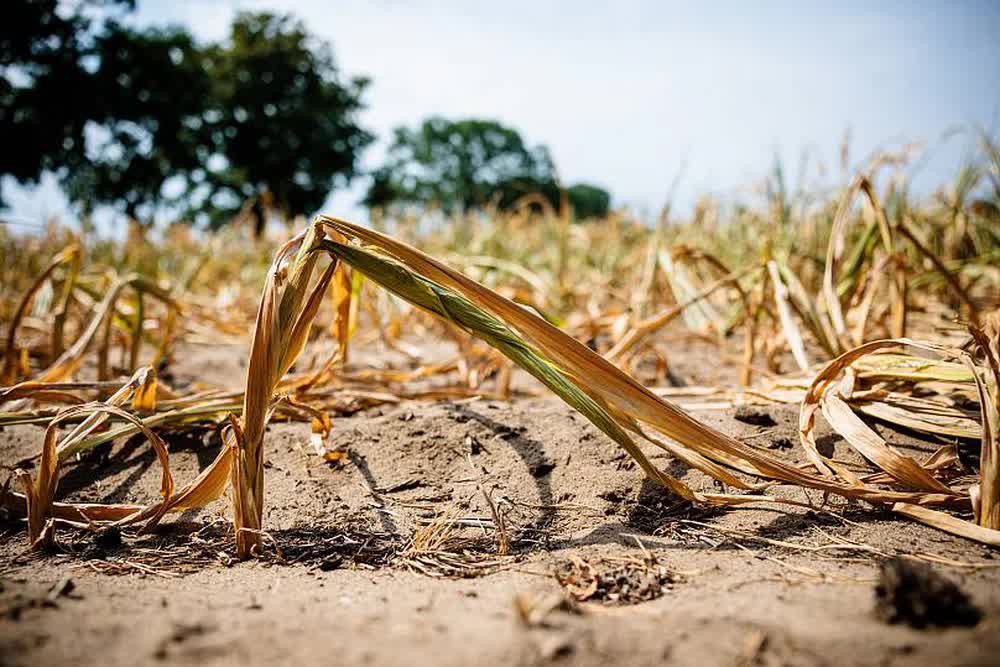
(46, 88)
(471, 163)
(282, 127)
(120, 113)
(589, 201)
(150, 88)
(461, 164)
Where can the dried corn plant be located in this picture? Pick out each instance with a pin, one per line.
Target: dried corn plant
(512, 303)
(927, 395)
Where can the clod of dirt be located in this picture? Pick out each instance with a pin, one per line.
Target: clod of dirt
(624, 581)
(109, 539)
(911, 592)
(755, 416)
(331, 563)
(781, 442)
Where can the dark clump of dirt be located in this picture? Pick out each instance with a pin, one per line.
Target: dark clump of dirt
(781, 442)
(754, 416)
(911, 592)
(109, 539)
(620, 581)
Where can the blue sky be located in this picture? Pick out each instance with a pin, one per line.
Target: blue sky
(626, 93)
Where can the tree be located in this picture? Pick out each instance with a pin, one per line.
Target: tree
(462, 165)
(282, 129)
(142, 118)
(589, 201)
(46, 89)
(151, 90)
(468, 164)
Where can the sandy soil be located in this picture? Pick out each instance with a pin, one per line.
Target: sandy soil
(340, 584)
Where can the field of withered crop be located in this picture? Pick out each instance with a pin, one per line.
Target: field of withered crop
(765, 437)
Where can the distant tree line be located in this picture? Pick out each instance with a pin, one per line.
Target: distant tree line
(149, 120)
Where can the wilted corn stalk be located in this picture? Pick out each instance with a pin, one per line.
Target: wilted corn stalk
(68, 361)
(70, 258)
(612, 400)
(986, 497)
(879, 380)
(40, 492)
(287, 309)
(897, 285)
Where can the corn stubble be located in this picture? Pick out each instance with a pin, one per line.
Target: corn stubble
(924, 386)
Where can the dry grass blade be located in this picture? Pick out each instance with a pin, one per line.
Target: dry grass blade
(871, 445)
(701, 315)
(949, 524)
(792, 333)
(918, 413)
(835, 249)
(436, 550)
(987, 504)
(344, 304)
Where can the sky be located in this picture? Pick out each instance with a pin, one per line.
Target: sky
(637, 95)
